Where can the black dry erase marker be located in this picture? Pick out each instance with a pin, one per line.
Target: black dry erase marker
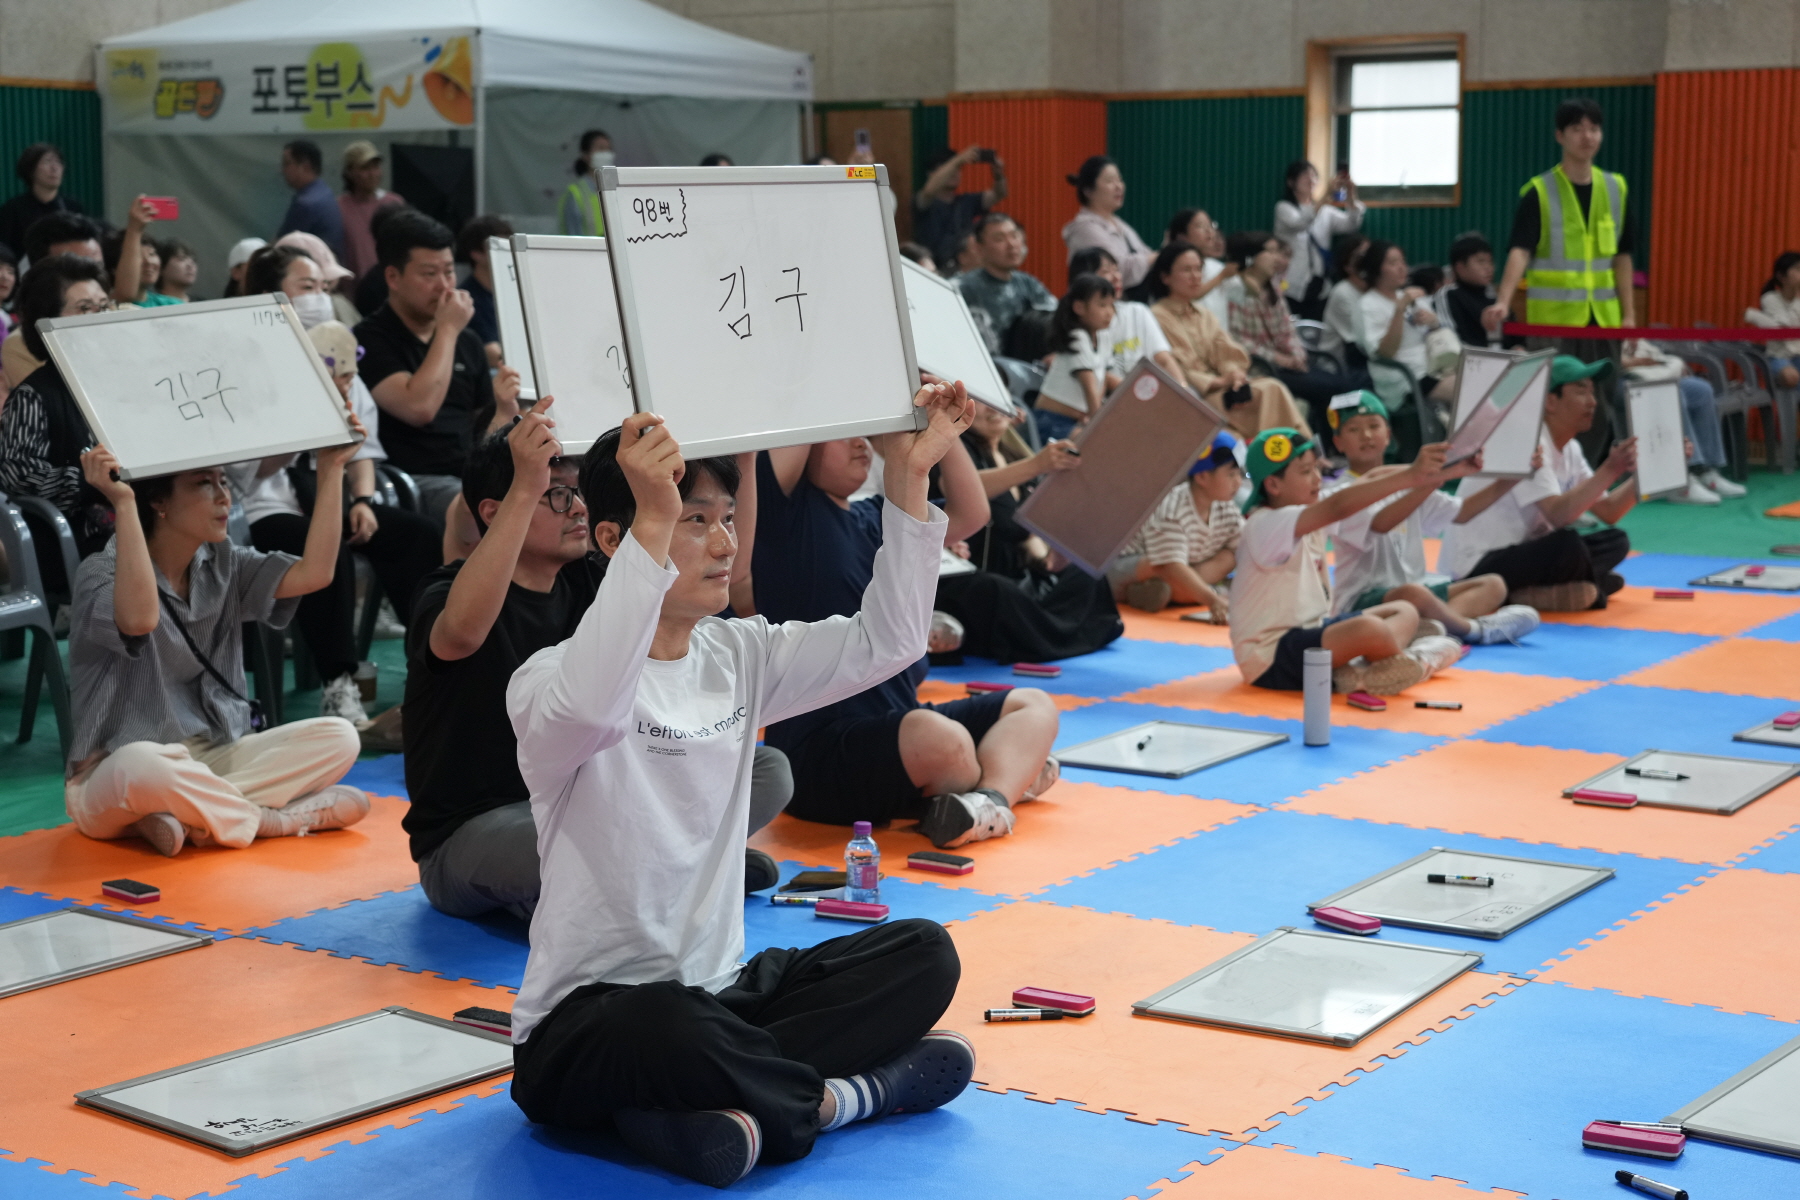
(1463, 880)
(1665, 1126)
(1146, 740)
(1073, 452)
(1448, 705)
(1655, 773)
(1667, 1191)
(1022, 1014)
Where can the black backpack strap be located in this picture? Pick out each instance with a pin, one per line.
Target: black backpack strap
(257, 720)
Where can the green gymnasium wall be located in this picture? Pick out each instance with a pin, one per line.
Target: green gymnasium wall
(1227, 156)
(70, 117)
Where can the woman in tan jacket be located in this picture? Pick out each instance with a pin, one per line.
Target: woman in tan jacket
(1214, 365)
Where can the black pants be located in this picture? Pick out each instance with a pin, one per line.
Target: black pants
(405, 549)
(765, 1044)
(1560, 557)
(1314, 389)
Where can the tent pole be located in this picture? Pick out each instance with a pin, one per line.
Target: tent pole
(808, 134)
(480, 133)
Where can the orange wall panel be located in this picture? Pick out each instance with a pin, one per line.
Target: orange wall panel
(1726, 176)
(1041, 141)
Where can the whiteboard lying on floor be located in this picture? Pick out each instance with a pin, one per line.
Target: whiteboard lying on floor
(1768, 579)
(71, 942)
(1524, 890)
(945, 340)
(263, 1095)
(1759, 1107)
(1324, 987)
(1714, 783)
(509, 312)
(1169, 749)
(186, 386)
(762, 306)
(572, 327)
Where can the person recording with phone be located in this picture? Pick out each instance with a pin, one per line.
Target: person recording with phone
(942, 215)
(1309, 218)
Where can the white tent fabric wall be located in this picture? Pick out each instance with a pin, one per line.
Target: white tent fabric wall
(229, 185)
(533, 139)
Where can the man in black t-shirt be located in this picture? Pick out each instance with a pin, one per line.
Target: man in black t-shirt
(426, 369)
(524, 587)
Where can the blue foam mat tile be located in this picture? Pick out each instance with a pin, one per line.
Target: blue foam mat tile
(1626, 719)
(1268, 776)
(1592, 652)
(1785, 630)
(1124, 666)
(34, 1179)
(1259, 873)
(16, 905)
(381, 775)
(982, 1144)
(1781, 855)
(401, 928)
(769, 926)
(1499, 1100)
(1679, 570)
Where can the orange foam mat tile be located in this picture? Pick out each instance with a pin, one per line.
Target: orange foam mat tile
(938, 691)
(1487, 698)
(1277, 1173)
(219, 888)
(1167, 626)
(1716, 614)
(1722, 942)
(1738, 666)
(1074, 829)
(1500, 790)
(1201, 1078)
(140, 1019)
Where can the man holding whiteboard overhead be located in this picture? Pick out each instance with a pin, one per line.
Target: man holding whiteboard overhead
(427, 370)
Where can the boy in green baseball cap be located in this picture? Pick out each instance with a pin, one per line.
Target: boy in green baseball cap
(1281, 598)
(1380, 551)
(1525, 536)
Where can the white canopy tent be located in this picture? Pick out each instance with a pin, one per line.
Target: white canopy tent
(199, 108)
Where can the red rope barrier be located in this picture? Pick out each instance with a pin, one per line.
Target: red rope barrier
(1748, 333)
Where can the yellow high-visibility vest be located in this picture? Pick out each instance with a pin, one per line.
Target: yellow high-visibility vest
(578, 213)
(1570, 280)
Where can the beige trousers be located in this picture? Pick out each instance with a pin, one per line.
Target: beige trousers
(215, 791)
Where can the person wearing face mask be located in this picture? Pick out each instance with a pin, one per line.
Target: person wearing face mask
(332, 274)
(357, 203)
(279, 491)
(578, 212)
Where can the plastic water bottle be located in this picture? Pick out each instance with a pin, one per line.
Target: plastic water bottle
(862, 866)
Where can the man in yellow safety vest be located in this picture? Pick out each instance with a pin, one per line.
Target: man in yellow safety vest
(578, 212)
(1573, 237)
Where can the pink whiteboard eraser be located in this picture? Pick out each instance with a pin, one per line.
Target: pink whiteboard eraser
(1627, 1139)
(1787, 720)
(1753, 572)
(1603, 798)
(1345, 921)
(1069, 1002)
(976, 687)
(851, 910)
(1040, 670)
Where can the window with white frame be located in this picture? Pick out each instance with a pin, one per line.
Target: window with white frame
(1398, 123)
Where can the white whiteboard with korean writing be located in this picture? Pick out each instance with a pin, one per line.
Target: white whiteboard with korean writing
(945, 340)
(198, 385)
(763, 306)
(572, 327)
(1653, 414)
(509, 311)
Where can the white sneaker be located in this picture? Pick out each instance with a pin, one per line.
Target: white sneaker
(1723, 486)
(1430, 627)
(1047, 777)
(334, 807)
(1437, 653)
(163, 831)
(957, 818)
(342, 698)
(1507, 624)
(1697, 493)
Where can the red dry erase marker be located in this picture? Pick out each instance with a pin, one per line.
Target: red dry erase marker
(978, 688)
(1365, 701)
(1039, 670)
(851, 910)
(1345, 921)
(1634, 1139)
(1672, 594)
(1788, 720)
(1066, 1002)
(1603, 798)
(131, 891)
(937, 860)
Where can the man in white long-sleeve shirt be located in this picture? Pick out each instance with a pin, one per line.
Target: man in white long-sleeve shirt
(636, 738)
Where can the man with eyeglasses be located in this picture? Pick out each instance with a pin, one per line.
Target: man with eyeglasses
(525, 586)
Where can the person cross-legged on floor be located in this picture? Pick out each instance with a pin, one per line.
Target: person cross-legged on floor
(637, 737)
(166, 746)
